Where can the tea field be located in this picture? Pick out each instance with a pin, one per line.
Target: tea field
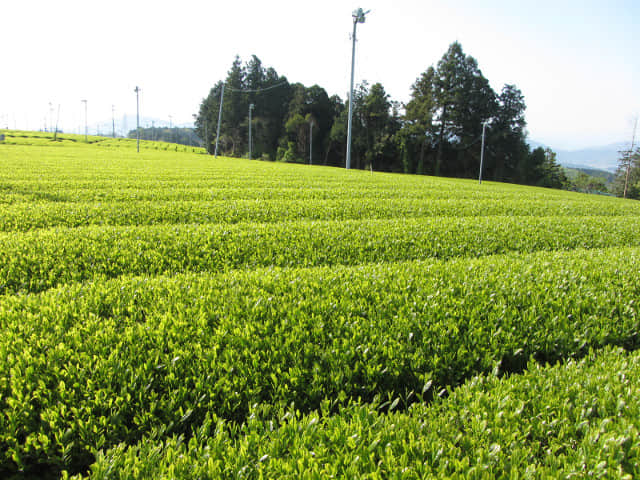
(167, 314)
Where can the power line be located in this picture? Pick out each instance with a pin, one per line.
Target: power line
(257, 90)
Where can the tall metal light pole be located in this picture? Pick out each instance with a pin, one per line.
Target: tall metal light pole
(50, 117)
(311, 142)
(484, 127)
(113, 121)
(85, 121)
(251, 107)
(358, 17)
(137, 90)
(219, 120)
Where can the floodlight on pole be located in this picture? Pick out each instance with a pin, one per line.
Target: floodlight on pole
(358, 17)
(251, 107)
(484, 127)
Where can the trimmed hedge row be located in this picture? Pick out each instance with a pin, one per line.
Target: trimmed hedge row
(36, 261)
(577, 420)
(85, 367)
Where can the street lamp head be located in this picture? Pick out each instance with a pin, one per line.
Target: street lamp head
(359, 15)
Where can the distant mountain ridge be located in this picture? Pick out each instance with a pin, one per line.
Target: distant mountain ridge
(601, 158)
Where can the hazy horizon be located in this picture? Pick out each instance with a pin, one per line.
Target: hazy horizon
(574, 61)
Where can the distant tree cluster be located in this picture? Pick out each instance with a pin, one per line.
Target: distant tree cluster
(439, 132)
(183, 136)
(586, 183)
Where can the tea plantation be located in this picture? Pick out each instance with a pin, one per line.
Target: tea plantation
(168, 314)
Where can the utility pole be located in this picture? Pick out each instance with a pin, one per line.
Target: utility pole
(251, 107)
(137, 90)
(206, 146)
(86, 128)
(50, 117)
(219, 120)
(358, 17)
(113, 121)
(633, 141)
(484, 127)
(55, 131)
(311, 142)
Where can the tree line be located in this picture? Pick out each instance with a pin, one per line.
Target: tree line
(438, 132)
(181, 135)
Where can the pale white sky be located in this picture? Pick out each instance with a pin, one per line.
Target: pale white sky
(575, 61)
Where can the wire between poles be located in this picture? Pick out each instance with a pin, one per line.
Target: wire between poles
(258, 90)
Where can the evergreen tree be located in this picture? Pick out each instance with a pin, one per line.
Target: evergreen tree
(442, 130)
(307, 104)
(245, 85)
(507, 156)
(235, 110)
(551, 174)
(464, 101)
(416, 138)
(207, 119)
(379, 128)
(336, 142)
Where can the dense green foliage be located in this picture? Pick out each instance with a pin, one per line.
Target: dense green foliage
(589, 180)
(98, 363)
(181, 135)
(36, 261)
(582, 423)
(439, 133)
(171, 314)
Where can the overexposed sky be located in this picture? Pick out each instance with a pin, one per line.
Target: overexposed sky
(575, 61)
